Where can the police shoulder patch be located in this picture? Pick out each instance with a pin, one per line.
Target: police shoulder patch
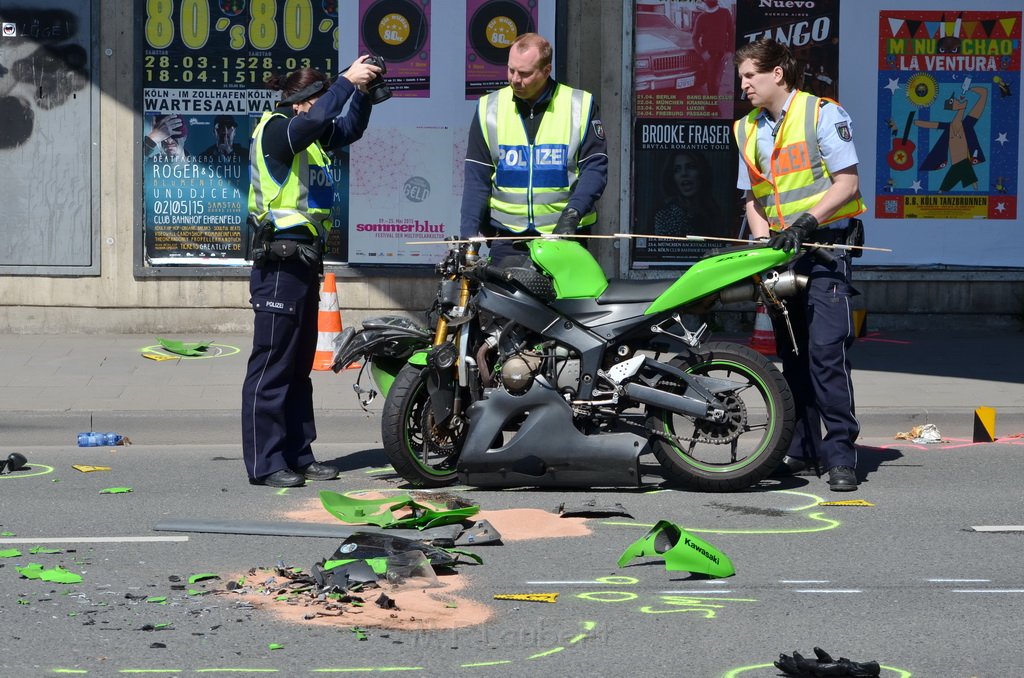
(598, 128)
(843, 130)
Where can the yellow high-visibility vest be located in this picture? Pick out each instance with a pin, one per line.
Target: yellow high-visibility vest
(304, 199)
(799, 177)
(531, 184)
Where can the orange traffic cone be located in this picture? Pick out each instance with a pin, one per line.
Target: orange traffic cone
(328, 324)
(763, 339)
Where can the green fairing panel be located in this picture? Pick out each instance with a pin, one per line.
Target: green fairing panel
(576, 273)
(714, 273)
(384, 371)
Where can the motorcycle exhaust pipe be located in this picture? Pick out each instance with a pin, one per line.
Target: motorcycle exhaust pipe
(786, 284)
(666, 401)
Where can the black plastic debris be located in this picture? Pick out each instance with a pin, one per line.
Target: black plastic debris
(590, 509)
(386, 602)
(357, 574)
(366, 545)
(482, 532)
(824, 666)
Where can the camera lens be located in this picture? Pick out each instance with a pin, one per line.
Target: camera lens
(377, 88)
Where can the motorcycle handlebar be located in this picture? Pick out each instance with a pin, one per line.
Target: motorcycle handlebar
(482, 272)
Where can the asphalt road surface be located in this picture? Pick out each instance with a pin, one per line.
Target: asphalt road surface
(909, 580)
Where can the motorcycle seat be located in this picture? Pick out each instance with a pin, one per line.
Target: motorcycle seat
(628, 291)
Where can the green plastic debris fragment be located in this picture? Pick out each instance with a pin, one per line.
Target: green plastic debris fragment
(43, 549)
(159, 600)
(184, 348)
(116, 490)
(282, 598)
(469, 554)
(202, 577)
(682, 551)
(275, 646)
(360, 634)
(195, 592)
(22, 601)
(361, 511)
(10, 553)
(378, 565)
(6, 534)
(57, 575)
(380, 512)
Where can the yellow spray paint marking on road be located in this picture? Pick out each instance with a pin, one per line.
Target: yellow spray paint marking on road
(846, 502)
(531, 597)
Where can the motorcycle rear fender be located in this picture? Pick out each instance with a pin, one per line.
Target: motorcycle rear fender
(716, 272)
(389, 337)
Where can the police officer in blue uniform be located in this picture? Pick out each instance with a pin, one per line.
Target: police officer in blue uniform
(290, 200)
(798, 169)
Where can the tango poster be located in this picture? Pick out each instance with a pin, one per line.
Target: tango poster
(948, 99)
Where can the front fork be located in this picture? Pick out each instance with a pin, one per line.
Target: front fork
(442, 361)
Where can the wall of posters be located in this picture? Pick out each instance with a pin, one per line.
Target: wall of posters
(202, 71)
(203, 66)
(948, 89)
(686, 96)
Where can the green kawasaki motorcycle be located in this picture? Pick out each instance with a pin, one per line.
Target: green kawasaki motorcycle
(549, 374)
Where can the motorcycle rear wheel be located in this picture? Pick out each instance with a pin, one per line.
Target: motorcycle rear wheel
(419, 450)
(741, 451)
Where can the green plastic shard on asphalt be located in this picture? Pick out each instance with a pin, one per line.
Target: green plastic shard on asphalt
(159, 600)
(275, 646)
(202, 577)
(360, 634)
(682, 551)
(116, 490)
(10, 553)
(56, 575)
(43, 549)
(184, 348)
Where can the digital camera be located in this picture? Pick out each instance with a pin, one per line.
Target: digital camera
(377, 88)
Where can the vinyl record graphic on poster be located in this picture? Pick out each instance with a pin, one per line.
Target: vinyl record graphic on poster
(491, 26)
(948, 93)
(684, 178)
(809, 29)
(399, 32)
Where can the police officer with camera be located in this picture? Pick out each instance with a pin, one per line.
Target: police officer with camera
(290, 200)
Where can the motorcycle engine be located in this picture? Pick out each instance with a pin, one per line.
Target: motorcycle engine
(524, 356)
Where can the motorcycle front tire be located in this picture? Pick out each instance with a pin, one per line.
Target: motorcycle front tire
(748, 445)
(419, 450)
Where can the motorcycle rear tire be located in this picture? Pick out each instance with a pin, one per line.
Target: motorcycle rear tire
(759, 428)
(405, 420)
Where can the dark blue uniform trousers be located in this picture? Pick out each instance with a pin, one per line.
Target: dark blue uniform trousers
(819, 376)
(277, 395)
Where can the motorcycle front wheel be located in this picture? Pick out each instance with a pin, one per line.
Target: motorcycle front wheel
(419, 449)
(743, 448)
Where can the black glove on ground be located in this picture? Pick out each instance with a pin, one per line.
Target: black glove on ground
(567, 222)
(825, 666)
(793, 237)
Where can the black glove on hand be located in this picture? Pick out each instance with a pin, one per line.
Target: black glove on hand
(793, 237)
(567, 222)
(825, 666)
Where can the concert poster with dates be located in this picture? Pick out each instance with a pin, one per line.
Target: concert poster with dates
(203, 68)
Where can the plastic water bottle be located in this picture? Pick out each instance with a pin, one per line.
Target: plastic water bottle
(94, 439)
